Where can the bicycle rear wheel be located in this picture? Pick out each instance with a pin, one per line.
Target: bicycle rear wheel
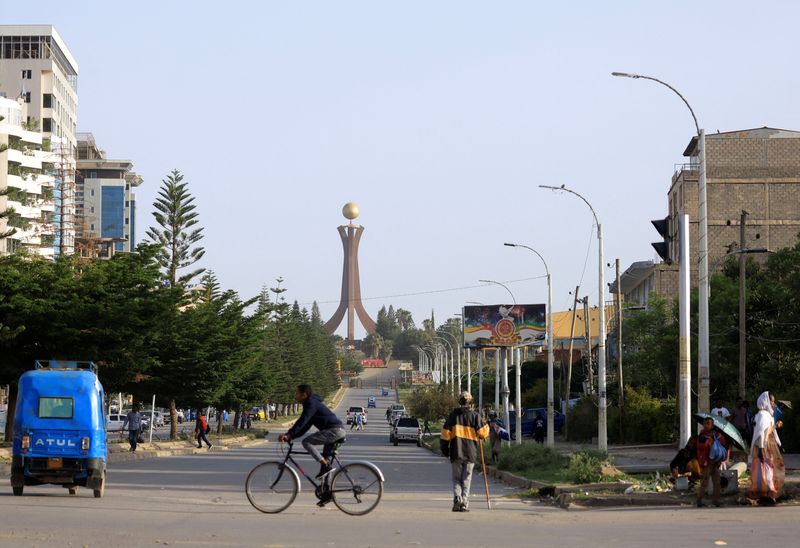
(356, 489)
(271, 487)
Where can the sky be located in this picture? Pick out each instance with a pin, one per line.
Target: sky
(440, 119)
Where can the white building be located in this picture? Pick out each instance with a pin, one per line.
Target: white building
(37, 66)
(28, 193)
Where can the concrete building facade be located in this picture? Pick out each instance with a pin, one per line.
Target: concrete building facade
(755, 170)
(26, 190)
(37, 66)
(105, 201)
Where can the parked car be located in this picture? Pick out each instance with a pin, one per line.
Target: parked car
(356, 410)
(114, 421)
(371, 402)
(529, 416)
(396, 410)
(406, 429)
(159, 418)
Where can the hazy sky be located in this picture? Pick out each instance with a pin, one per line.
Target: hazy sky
(438, 118)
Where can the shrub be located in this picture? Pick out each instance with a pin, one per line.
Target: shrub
(530, 456)
(586, 466)
(646, 420)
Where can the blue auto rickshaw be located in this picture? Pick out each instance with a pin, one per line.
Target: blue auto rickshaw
(59, 428)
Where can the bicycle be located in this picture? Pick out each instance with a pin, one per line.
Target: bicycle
(355, 488)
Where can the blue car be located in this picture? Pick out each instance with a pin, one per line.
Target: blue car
(371, 402)
(59, 428)
(529, 416)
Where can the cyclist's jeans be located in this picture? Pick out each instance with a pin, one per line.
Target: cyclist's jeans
(323, 437)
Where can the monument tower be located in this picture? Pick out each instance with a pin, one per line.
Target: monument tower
(351, 284)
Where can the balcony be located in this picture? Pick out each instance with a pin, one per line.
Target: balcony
(686, 171)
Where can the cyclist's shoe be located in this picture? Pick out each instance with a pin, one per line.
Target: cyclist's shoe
(324, 499)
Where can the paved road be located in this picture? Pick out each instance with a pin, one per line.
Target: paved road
(199, 500)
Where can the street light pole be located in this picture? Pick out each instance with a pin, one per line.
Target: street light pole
(451, 359)
(504, 360)
(550, 348)
(602, 427)
(703, 370)
(455, 341)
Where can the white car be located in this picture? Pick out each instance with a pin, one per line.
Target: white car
(114, 421)
(406, 429)
(159, 417)
(356, 410)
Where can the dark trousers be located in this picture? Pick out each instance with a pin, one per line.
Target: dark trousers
(202, 436)
(711, 471)
(133, 438)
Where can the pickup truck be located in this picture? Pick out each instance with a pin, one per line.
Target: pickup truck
(406, 429)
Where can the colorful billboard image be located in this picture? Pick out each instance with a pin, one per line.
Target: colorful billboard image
(503, 325)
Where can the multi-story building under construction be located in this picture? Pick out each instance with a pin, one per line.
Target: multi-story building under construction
(37, 66)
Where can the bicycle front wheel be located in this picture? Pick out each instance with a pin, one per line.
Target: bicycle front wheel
(271, 487)
(356, 489)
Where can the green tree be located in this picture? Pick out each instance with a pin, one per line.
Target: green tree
(177, 231)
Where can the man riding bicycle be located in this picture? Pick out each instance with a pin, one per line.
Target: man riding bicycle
(316, 413)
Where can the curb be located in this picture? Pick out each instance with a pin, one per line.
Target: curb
(116, 457)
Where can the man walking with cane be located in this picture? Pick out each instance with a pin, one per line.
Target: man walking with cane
(461, 434)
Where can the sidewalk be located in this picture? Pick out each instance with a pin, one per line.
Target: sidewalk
(642, 459)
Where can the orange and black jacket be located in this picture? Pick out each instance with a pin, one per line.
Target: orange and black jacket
(460, 435)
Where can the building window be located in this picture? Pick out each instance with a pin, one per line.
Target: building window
(47, 100)
(27, 74)
(92, 226)
(47, 125)
(27, 96)
(92, 211)
(127, 221)
(92, 192)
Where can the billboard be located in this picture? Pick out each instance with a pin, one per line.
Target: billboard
(503, 325)
(422, 377)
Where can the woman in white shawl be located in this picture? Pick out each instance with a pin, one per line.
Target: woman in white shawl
(766, 462)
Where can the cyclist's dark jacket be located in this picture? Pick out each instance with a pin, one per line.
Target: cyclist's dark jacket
(315, 413)
(460, 435)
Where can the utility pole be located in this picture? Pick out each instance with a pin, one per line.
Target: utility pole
(684, 308)
(588, 343)
(569, 357)
(619, 342)
(742, 305)
(497, 380)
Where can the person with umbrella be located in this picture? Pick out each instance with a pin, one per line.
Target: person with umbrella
(712, 451)
(766, 462)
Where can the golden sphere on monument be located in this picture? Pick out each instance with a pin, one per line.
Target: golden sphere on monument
(350, 210)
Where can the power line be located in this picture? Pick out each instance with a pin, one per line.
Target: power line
(428, 292)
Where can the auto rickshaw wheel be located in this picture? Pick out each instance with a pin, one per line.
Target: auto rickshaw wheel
(17, 491)
(98, 493)
(73, 490)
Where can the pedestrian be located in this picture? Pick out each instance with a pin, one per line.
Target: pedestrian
(739, 418)
(134, 422)
(426, 427)
(249, 416)
(461, 434)
(496, 435)
(720, 410)
(767, 470)
(243, 420)
(712, 451)
(539, 426)
(388, 413)
(685, 462)
(201, 429)
(360, 421)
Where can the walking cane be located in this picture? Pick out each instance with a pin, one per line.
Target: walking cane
(485, 479)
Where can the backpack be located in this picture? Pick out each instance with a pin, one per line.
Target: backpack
(717, 453)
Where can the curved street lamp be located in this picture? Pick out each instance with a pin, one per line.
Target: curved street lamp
(602, 430)
(550, 358)
(703, 370)
(451, 359)
(455, 342)
(504, 286)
